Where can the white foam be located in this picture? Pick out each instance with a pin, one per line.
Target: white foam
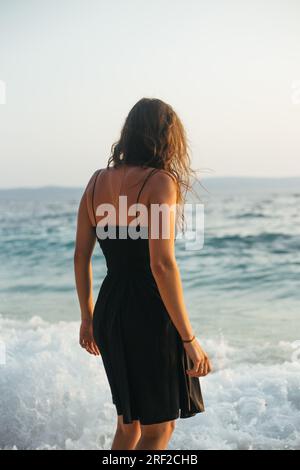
(55, 396)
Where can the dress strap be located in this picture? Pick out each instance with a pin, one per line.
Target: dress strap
(144, 183)
(96, 177)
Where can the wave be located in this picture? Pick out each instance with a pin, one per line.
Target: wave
(37, 288)
(251, 240)
(55, 396)
(251, 215)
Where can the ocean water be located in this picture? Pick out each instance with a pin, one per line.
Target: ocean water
(242, 290)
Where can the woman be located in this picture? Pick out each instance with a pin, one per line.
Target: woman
(139, 323)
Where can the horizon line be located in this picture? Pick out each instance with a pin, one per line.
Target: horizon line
(58, 186)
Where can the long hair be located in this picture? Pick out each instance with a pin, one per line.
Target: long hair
(153, 136)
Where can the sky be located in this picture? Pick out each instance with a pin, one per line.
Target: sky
(71, 70)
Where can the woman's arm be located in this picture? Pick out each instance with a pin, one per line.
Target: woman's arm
(166, 272)
(85, 242)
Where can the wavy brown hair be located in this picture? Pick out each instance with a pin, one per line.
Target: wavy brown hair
(153, 136)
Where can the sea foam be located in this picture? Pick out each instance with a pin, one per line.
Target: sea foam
(56, 396)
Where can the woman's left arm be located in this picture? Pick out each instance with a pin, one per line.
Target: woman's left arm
(85, 243)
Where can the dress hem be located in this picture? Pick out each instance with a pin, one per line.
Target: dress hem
(179, 415)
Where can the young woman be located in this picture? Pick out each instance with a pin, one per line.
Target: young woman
(139, 323)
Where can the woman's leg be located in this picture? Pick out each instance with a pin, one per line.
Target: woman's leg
(155, 436)
(127, 435)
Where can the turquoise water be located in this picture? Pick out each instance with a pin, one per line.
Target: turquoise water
(243, 283)
(243, 294)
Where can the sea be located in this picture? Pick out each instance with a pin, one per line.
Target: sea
(242, 290)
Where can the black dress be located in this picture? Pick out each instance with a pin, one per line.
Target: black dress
(141, 350)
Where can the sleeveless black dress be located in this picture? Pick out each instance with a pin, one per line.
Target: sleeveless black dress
(141, 350)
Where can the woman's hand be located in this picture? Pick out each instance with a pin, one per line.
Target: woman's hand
(200, 360)
(86, 338)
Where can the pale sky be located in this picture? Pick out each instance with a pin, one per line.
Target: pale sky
(74, 68)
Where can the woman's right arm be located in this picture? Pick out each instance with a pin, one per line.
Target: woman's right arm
(165, 270)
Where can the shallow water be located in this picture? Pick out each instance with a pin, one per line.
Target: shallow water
(242, 291)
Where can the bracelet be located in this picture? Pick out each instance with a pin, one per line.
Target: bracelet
(189, 340)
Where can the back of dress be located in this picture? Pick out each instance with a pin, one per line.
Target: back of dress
(141, 350)
(126, 248)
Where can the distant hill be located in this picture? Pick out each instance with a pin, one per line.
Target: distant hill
(58, 193)
(242, 184)
(210, 184)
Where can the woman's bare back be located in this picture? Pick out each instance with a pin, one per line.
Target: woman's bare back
(108, 184)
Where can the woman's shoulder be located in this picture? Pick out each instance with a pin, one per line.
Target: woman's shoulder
(92, 181)
(163, 186)
(164, 178)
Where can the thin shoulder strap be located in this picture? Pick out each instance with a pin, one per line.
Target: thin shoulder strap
(144, 183)
(96, 177)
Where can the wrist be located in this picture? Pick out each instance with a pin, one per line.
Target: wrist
(187, 337)
(86, 320)
(189, 340)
